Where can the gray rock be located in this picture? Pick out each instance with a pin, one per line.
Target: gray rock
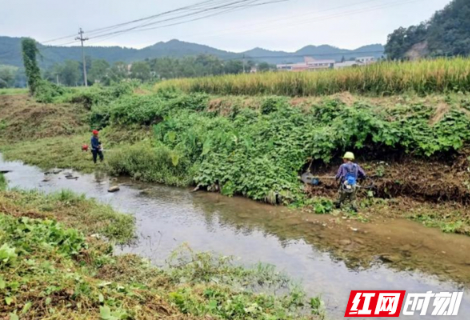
(390, 258)
(113, 189)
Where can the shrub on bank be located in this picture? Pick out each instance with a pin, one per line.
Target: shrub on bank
(259, 153)
(153, 164)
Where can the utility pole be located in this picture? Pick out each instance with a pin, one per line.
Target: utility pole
(82, 39)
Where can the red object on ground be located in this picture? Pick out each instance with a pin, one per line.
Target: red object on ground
(85, 147)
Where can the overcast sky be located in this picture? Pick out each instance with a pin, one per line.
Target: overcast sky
(286, 26)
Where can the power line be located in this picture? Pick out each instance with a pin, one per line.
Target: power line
(151, 17)
(197, 8)
(277, 20)
(276, 26)
(130, 22)
(221, 6)
(117, 33)
(221, 12)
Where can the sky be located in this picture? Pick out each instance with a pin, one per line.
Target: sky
(287, 25)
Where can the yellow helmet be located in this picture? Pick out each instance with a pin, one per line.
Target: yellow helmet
(349, 156)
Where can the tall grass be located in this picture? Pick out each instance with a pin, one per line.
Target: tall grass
(13, 91)
(385, 78)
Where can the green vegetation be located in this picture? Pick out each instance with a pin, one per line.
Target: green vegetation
(258, 151)
(446, 34)
(86, 97)
(453, 221)
(33, 74)
(53, 152)
(381, 79)
(7, 76)
(12, 91)
(71, 210)
(52, 269)
(250, 146)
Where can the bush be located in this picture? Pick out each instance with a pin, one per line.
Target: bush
(153, 164)
(259, 153)
(144, 110)
(48, 92)
(98, 94)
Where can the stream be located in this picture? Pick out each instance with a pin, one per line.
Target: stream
(329, 255)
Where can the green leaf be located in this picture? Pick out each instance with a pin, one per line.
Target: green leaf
(7, 254)
(26, 307)
(175, 159)
(8, 300)
(105, 313)
(101, 298)
(171, 136)
(48, 301)
(2, 283)
(14, 317)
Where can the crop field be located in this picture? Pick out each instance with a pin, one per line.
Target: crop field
(381, 79)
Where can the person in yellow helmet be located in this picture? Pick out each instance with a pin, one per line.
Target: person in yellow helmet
(347, 176)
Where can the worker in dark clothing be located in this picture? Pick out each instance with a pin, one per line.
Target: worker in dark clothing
(348, 174)
(96, 148)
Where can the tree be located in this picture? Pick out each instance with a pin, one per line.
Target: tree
(118, 72)
(54, 73)
(99, 72)
(33, 73)
(7, 75)
(402, 40)
(264, 67)
(140, 70)
(447, 33)
(233, 67)
(70, 73)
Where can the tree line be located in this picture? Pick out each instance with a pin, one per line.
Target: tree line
(446, 34)
(70, 73)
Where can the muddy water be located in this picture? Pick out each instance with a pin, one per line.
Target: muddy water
(331, 256)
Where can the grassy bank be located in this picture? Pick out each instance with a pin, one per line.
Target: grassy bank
(257, 150)
(53, 152)
(22, 118)
(13, 91)
(54, 266)
(257, 146)
(381, 79)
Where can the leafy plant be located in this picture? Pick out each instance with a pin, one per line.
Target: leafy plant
(30, 50)
(7, 255)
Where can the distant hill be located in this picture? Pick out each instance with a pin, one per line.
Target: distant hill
(10, 52)
(447, 33)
